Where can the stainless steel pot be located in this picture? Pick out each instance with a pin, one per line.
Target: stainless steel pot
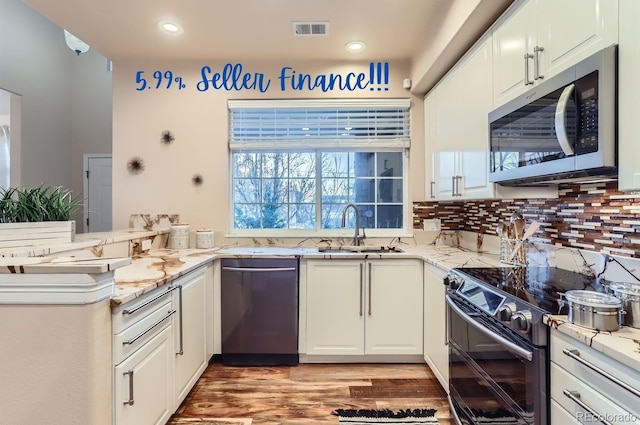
(629, 295)
(593, 310)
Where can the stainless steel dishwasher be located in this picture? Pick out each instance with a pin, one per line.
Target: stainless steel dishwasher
(259, 311)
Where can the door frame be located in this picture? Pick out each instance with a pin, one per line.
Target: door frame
(85, 182)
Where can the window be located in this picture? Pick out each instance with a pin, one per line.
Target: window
(297, 164)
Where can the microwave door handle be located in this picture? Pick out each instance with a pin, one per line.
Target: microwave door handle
(561, 113)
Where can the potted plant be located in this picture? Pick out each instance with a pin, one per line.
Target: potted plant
(36, 216)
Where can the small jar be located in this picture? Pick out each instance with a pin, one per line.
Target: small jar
(179, 236)
(204, 238)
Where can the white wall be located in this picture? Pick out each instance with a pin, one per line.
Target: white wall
(65, 98)
(199, 121)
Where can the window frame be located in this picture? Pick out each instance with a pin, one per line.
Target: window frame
(317, 148)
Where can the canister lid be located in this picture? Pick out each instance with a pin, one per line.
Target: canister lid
(592, 298)
(626, 288)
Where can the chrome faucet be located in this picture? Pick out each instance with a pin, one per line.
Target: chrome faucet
(356, 237)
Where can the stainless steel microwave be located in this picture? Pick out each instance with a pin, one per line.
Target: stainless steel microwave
(562, 130)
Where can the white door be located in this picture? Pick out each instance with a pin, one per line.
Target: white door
(98, 203)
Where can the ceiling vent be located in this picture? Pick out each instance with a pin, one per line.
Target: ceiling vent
(310, 28)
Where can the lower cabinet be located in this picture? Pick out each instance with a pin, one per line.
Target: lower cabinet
(436, 351)
(159, 349)
(189, 333)
(358, 307)
(143, 383)
(589, 387)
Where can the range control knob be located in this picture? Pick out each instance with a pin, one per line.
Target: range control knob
(506, 311)
(521, 321)
(452, 281)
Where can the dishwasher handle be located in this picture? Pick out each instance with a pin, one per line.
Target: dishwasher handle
(259, 269)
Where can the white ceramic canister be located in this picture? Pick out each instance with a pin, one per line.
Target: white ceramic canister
(179, 236)
(204, 238)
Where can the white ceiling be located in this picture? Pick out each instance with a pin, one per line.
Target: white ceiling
(247, 29)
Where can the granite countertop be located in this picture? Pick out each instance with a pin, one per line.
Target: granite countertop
(156, 268)
(622, 345)
(60, 265)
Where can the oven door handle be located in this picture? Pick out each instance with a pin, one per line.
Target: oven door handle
(561, 114)
(513, 348)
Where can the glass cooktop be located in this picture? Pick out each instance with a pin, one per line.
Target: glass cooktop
(538, 286)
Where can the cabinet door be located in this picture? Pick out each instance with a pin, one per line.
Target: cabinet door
(571, 30)
(335, 307)
(394, 307)
(512, 39)
(436, 352)
(628, 71)
(473, 79)
(145, 379)
(190, 337)
(430, 144)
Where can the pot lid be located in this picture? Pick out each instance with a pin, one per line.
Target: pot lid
(592, 298)
(626, 288)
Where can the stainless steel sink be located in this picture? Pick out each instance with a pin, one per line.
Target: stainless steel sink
(370, 249)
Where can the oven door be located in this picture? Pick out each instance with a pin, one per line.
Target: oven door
(494, 377)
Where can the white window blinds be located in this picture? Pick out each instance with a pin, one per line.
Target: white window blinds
(335, 123)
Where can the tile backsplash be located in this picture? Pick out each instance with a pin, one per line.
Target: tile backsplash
(595, 217)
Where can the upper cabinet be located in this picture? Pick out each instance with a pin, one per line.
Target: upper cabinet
(537, 39)
(456, 129)
(628, 71)
(457, 133)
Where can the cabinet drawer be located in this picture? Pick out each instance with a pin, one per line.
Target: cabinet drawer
(561, 416)
(566, 389)
(562, 355)
(125, 315)
(128, 341)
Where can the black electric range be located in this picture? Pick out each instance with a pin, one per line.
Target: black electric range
(518, 297)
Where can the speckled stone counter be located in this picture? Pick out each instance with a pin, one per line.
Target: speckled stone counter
(622, 345)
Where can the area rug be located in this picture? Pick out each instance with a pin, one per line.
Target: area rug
(386, 416)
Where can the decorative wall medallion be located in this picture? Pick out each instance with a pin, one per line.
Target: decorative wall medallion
(167, 137)
(135, 165)
(197, 179)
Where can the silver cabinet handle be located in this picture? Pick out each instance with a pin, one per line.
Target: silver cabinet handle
(259, 269)
(575, 355)
(446, 323)
(433, 191)
(575, 397)
(510, 346)
(458, 184)
(453, 185)
(536, 63)
(130, 401)
(146, 303)
(369, 289)
(361, 287)
(149, 329)
(181, 351)
(527, 56)
(561, 114)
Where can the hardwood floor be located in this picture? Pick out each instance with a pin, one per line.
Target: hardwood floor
(307, 393)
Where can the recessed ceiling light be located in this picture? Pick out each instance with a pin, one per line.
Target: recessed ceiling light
(170, 27)
(355, 46)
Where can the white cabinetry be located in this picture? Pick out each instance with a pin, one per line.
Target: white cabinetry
(436, 351)
(143, 383)
(457, 130)
(628, 95)
(537, 39)
(143, 359)
(160, 349)
(588, 386)
(190, 336)
(356, 307)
